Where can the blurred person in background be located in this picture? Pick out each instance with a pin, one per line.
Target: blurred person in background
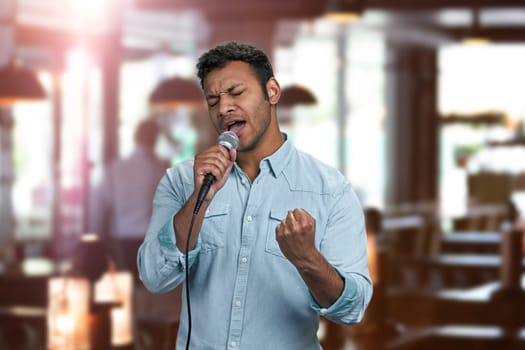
(206, 133)
(280, 238)
(122, 203)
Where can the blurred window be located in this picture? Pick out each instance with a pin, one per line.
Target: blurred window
(473, 80)
(32, 191)
(312, 61)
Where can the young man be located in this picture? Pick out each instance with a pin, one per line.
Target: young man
(280, 238)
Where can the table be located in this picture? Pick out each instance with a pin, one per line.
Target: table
(459, 337)
(457, 306)
(470, 242)
(458, 319)
(443, 270)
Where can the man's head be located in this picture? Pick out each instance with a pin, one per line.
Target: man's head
(219, 56)
(241, 94)
(146, 133)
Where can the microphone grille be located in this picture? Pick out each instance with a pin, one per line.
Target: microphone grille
(228, 139)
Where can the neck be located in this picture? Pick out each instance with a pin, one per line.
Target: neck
(249, 161)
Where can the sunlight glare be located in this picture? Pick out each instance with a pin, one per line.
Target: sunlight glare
(92, 10)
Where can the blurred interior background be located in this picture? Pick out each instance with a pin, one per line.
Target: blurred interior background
(418, 102)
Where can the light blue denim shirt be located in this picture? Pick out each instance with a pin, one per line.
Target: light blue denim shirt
(244, 293)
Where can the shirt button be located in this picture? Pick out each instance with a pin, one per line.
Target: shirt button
(233, 344)
(249, 218)
(244, 259)
(238, 303)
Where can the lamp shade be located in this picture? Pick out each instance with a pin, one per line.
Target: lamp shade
(293, 95)
(343, 10)
(174, 92)
(475, 35)
(18, 84)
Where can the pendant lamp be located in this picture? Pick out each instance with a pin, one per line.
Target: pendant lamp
(174, 92)
(19, 84)
(294, 94)
(344, 10)
(474, 35)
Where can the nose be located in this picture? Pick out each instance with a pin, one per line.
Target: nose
(226, 104)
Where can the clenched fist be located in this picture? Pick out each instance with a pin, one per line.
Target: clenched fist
(296, 236)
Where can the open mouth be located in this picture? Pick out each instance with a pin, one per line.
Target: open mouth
(235, 126)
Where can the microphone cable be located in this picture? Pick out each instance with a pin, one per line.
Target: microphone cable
(187, 272)
(202, 194)
(229, 140)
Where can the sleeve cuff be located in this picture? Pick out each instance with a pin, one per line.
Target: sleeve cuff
(346, 297)
(171, 252)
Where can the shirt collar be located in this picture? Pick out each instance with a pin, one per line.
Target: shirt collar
(280, 158)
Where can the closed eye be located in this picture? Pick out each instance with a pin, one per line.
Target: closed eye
(233, 91)
(212, 100)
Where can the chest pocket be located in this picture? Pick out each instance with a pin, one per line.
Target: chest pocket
(276, 216)
(275, 219)
(213, 229)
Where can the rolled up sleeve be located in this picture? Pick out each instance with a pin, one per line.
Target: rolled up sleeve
(160, 263)
(344, 247)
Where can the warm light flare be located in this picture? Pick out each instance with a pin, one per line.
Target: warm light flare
(65, 323)
(475, 41)
(78, 62)
(88, 10)
(68, 307)
(342, 17)
(89, 237)
(116, 287)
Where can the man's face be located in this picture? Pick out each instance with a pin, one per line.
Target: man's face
(236, 103)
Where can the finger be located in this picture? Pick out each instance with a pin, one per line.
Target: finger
(279, 229)
(213, 162)
(233, 154)
(301, 215)
(291, 215)
(294, 219)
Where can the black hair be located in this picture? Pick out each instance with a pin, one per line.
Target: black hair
(222, 54)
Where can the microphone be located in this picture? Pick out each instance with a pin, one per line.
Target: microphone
(229, 140)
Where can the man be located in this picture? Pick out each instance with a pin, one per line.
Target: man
(280, 237)
(122, 205)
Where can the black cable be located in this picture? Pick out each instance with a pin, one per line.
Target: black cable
(228, 140)
(186, 260)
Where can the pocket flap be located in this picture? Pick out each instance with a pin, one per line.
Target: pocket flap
(217, 209)
(278, 214)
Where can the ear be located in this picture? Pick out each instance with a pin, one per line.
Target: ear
(274, 91)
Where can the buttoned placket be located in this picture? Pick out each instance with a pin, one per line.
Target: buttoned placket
(248, 234)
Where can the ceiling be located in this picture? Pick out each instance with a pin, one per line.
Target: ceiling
(142, 27)
(426, 12)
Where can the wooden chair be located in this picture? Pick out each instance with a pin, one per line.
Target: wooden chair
(23, 302)
(484, 317)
